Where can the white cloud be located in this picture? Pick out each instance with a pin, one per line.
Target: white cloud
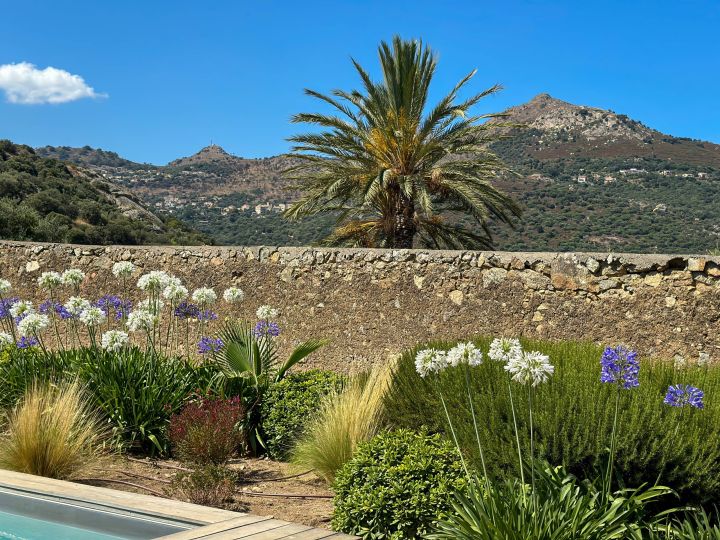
(24, 83)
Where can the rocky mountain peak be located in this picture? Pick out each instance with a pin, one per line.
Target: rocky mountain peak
(212, 153)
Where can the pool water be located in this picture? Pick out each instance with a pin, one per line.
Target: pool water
(16, 527)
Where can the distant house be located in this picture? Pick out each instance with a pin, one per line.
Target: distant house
(582, 179)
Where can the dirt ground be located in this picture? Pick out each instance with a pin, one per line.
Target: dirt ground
(263, 480)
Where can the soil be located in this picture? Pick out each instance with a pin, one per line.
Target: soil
(262, 478)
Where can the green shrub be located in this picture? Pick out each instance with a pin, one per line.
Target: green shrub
(289, 404)
(20, 369)
(397, 485)
(573, 418)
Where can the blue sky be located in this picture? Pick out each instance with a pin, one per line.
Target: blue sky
(169, 76)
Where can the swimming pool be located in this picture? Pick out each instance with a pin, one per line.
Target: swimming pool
(32, 516)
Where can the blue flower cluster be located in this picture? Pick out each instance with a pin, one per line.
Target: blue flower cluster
(48, 306)
(620, 366)
(679, 395)
(5, 305)
(266, 328)
(186, 310)
(27, 342)
(114, 306)
(208, 345)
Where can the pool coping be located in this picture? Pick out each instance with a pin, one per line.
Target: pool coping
(208, 521)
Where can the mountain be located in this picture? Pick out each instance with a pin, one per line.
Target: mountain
(587, 178)
(45, 199)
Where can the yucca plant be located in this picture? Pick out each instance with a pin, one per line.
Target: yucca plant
(54, 431)
(393, 167)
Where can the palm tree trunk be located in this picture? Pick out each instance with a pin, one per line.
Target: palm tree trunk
(404, 223)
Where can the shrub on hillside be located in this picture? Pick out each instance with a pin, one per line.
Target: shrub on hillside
(397, 485)
(289, 404)
(573, 417)
(206, 431)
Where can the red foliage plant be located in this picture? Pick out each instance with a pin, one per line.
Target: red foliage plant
(207, 431)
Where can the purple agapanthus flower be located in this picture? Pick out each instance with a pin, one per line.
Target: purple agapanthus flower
(266, 328)
(208, 345)
(186, 310)
(27, 342)
(48, 306)
(679, 395)
(5, 305)
(620, 366)
(207, 315)
(114, 306)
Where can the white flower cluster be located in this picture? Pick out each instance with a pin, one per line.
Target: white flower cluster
(175, 291)
(464, 353)
(4, 286)
(267, 313)
(433, 360)
(33, 324)
(21, 308)
(114, 340)
(50, 280)
(5, 340)
(92, 316)
(123, 269)
(154, 307)
(429, 361)
(141, 320)
(73, 277)
(524, 367)
(75, 305)
(154, 281)
(504, 349)
(233, 294)
(204, 296)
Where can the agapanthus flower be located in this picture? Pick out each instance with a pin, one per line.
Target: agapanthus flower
(266, 328)
(25, 342)
(186, 310)
(92, 316)
(204, 296)
(73, 277)
(464, 353)
(175, 291)
(208, 345)
(76, 305)
(5, 340)
(620, 366)
(5, 305)
(504, 349)
(430, 361)
(33, 324)
(123, 269)
(50, 280)
(48, 306)
(207, 315)
(233, 295)
(21, 309)
(141, 320)
(114, 340)
(153, 306)
(530, 368)
(111, 304)
(267, 313)
(4, 286)
(154, 281)
(680, 395)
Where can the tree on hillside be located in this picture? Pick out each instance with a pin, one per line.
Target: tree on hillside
(395, 170)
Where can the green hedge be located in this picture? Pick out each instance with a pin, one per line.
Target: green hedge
(397, 485)
(288, 405)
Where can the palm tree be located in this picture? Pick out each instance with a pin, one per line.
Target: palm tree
(396, 172)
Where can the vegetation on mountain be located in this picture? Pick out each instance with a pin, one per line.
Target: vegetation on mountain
(44, 199)
(392, 166)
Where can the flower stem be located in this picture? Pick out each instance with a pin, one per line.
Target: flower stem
(613, 437)
(454, 436)
(477, 433)
(517, 437)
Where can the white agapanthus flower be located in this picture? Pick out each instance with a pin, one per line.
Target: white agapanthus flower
(504, 349)
(465, 353)
(76, 305)
(175, 291)
(33, 324)
(151, 306)
(123, 269)
(4, 286)
(21, 308)
(266, 313)
(204, 296)
(92, 316)
(233, 294)
(73, 277)
(430, 361)
(114, 340)
(141, 320)
(154, 281)
(530, 368)
(5, 340)
(50, 280)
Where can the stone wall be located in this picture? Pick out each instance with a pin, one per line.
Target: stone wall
(375, 303)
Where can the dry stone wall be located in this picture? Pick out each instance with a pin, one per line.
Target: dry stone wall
(373, 304)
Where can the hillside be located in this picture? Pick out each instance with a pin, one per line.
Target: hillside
(48, 200)
(588, 179)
